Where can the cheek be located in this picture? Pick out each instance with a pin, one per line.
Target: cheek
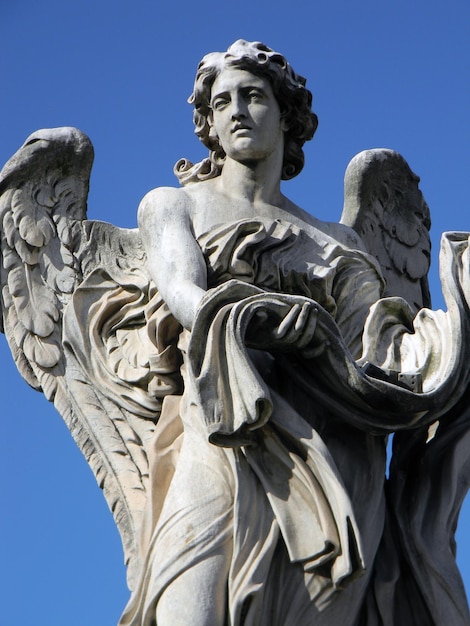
(272, 119)
(218, 124)
(213, 135)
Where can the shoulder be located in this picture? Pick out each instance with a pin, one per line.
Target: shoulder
(164, 203)
(334, 231)
(345, 235)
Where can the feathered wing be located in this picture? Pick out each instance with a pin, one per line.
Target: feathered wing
(430, 468)
(384, 205)
(39, 271)
(84, 323)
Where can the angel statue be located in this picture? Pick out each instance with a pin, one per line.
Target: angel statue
(231, 369)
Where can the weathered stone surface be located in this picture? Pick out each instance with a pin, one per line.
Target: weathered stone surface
(231, 370)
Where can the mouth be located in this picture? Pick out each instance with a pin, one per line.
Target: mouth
(239, 127)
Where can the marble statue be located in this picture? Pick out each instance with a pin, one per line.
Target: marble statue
(232, 368)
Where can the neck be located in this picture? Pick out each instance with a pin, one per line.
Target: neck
(254, 181)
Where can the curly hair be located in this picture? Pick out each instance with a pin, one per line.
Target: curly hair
(294, 99)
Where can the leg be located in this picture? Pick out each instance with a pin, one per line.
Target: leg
(197, 597)
(193, 541)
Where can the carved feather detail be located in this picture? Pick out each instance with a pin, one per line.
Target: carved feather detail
(55, 264)
(384, 205)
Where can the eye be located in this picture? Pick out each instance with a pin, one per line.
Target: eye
(255, 96)
(219, 103)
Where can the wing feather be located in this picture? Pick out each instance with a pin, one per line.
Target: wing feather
(55, 263)
(384, 205)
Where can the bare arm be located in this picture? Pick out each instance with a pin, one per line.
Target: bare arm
(175, 261)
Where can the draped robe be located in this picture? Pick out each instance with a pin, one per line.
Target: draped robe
(275, 454)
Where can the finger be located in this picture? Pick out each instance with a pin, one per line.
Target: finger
(260, 316)
(302, 317)
(286, 323)
(309, 329)
(302, 332)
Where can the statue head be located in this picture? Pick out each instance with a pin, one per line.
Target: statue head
(294, 100)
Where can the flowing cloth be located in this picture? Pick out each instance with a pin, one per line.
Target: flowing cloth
(281, 467)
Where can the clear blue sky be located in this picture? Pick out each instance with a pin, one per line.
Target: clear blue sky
(383, 74)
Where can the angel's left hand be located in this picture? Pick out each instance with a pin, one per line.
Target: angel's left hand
(289, 327)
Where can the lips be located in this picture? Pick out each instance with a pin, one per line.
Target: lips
(238, 127)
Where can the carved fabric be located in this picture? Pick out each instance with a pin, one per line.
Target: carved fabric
(87, 327)
(123, 335)
(256, 537)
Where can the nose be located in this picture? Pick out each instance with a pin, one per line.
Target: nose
(238, 108)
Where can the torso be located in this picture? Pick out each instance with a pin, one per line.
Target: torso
(208, 207)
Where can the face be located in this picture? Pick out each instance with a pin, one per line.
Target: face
(246, 116)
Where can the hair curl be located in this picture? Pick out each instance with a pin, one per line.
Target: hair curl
(294, 99)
